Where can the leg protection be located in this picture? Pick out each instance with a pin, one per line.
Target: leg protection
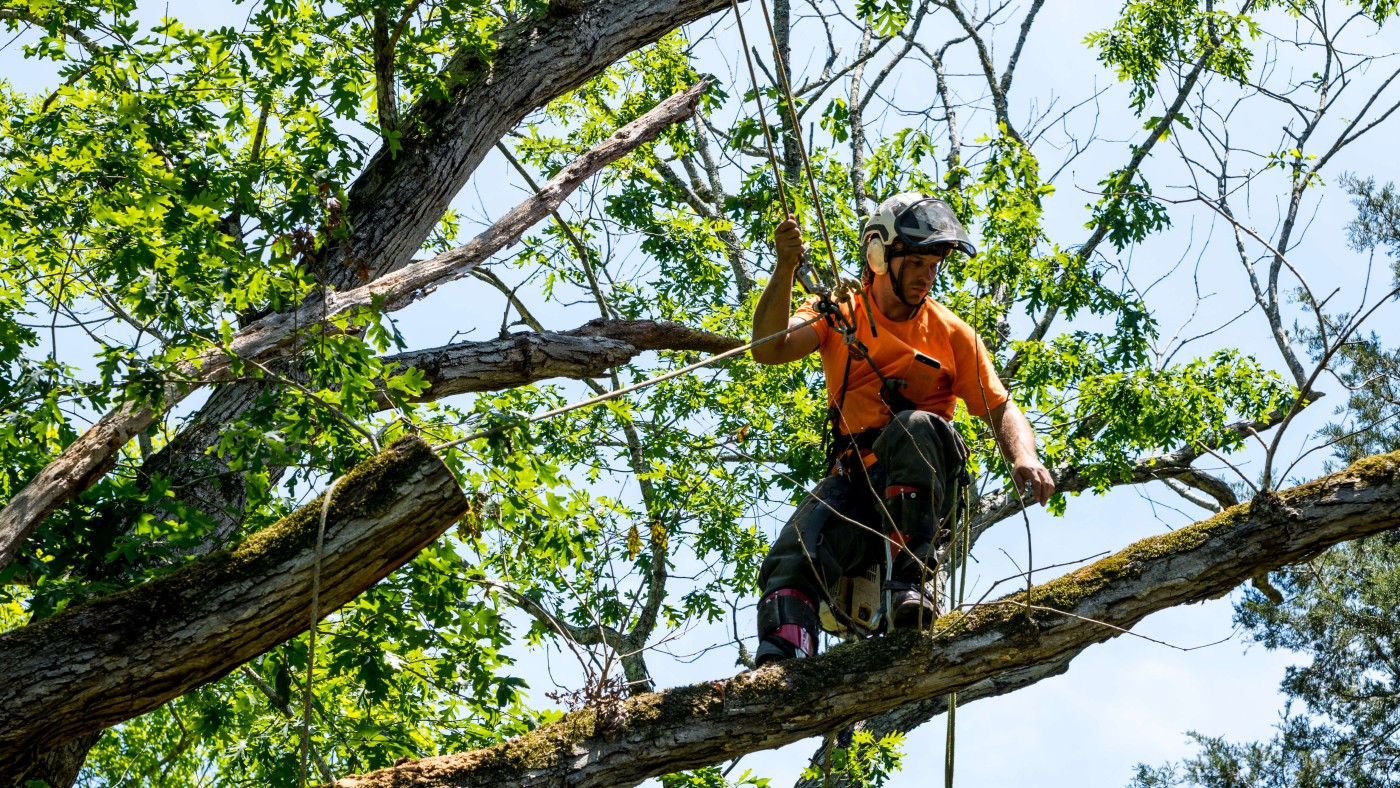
(911, 511)
(787, 626)
(912, 528)
(923, 459)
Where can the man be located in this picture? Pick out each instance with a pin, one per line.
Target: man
(892, 389)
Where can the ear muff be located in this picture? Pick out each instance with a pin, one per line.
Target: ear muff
(873, 250)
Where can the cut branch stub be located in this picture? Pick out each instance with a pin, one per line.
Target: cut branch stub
(85, 460)
(113, 658)
(708, 723)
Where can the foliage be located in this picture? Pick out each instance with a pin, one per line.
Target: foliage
(1149, 36)
(866, 762)
(712, 777)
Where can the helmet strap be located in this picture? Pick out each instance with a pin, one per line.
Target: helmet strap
(897, 280)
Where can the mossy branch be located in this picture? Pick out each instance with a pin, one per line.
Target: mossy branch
(108, 660)
(703, 724)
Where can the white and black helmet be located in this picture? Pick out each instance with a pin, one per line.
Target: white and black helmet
(916, 220)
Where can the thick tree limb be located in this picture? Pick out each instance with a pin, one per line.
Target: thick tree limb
(521, 359)
(111, 659)
(401, 195)
(656, 335)
(93, 454)
(708, 723)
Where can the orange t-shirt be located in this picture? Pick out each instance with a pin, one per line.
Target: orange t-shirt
(965, 369)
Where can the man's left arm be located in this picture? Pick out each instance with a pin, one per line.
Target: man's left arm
(1017, 441)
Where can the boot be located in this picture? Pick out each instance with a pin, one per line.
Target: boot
(787, 627)
(912, 606)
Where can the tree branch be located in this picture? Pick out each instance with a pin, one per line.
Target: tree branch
(85, 460)
(521, 359)
(113, 658)
(707, 723)
(997, 506)
(398, 199)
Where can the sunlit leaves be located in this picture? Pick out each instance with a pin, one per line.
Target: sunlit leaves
(886, 17)
(1152, 34)
(1127, 211)
(866, 761)
(1123, 414)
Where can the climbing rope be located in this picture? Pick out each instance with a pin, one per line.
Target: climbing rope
(762, 115)
(957, 589)
(781, 72)
(311, 634)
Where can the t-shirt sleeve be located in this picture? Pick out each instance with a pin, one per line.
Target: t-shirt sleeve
(976, 382)
(807, 311)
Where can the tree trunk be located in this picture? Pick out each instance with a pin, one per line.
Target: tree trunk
(708, 723)
(111, 659)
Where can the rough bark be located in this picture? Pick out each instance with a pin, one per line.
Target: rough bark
(522, 359)
(92, 454)
(708, 723)
(60, 766)
(400, 196)
(108, 660)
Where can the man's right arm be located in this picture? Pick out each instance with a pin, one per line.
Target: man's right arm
(772, 313)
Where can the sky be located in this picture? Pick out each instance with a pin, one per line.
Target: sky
(1124, 702)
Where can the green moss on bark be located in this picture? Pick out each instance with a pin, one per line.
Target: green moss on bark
(130, 612)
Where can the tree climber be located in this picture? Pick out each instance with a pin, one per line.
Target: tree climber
(892, 391)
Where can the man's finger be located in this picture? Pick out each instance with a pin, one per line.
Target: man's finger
(1044, 487)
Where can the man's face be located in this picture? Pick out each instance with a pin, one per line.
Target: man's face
(916, 273)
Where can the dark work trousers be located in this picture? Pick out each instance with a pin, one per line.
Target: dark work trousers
(839, 529)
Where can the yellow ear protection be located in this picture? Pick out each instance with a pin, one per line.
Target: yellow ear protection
(875, 252)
